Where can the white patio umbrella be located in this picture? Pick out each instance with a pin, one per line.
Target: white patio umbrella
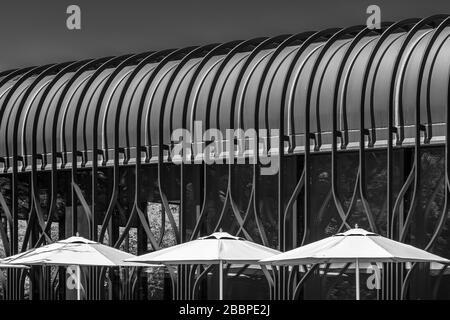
(9, 266)
(355, 245)
(217, 248)
(435, 268)
(73, 251)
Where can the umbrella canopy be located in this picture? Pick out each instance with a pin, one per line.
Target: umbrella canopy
(73, 251)
(357, 246)
(351, 245)
(435, 267)
(217, 248)
(212, 249)
(8, 266)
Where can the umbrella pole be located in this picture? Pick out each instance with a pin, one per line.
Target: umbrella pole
(220, 280)
(78, 282)
(357, 279)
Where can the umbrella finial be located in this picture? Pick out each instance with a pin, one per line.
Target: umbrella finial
(220, 230)
(77, 234)
(356, 226)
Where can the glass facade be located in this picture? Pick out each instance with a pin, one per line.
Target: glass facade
(238, 199)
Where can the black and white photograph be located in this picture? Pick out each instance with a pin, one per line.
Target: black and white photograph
(224, 159)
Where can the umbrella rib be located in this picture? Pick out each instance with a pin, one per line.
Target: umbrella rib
(18, 256)
(309, 257)
(30, 253)
(382, 247)
(219, 245)
(103, 255)
(161, 252)
(403, 259)
(334, 244)
(123, 263)
(253, 246)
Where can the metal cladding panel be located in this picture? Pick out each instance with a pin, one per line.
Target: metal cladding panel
(29, 113)
(234, 85)
(108, 108)
(276, 80)
(178, 94)
(298, 87)
(5, 74)
(352, 77)
(87, 112)
(323, 89)
(9, 108)
(406, 90)
(155, 107)
(382, 77)
(3, 96)
(38, 118)
(273, 82)
(199, 84)
(4, 89)
(220, 115)
(201, 94)
(130, 106)
(351, 82)
(249, 100)
(67, 112)
(4, 92)
(438, 82)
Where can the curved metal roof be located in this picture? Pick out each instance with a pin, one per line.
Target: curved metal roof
(359, 75)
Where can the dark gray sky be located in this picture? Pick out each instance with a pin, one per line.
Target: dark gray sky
(34, 32)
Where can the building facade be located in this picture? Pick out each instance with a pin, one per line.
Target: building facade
(340, 127)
